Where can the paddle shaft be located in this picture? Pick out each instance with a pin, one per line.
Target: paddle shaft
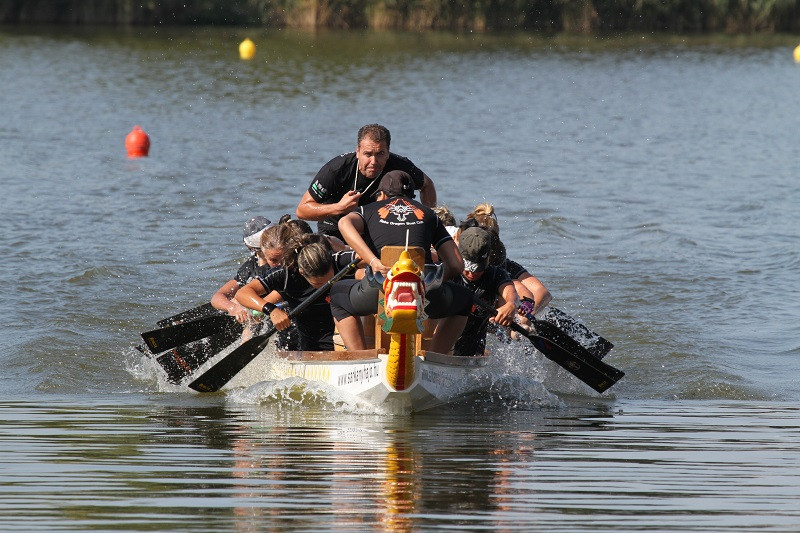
(223, 370)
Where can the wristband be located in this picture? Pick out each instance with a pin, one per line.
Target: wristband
(526, 306)
(268, 308)
(373, 259)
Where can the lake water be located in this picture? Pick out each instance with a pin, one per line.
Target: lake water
(651, 184)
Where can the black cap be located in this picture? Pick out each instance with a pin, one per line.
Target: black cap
(475, 245)
(397, 183)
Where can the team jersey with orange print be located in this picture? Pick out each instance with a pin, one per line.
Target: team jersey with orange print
(402, 209)
(388, 222)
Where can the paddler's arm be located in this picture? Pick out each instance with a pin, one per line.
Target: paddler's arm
(252, 297)
(427, 194)
(509, 301)
(310, 209)
(224, 300)
(450, 255)
(541, 296)
(351, 227)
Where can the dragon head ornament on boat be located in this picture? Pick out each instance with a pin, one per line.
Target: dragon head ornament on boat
(404, 297)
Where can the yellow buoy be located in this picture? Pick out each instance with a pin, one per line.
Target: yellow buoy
(247, 49)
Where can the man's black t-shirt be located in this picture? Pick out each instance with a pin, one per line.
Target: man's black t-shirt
(486, 288)
(390, 220)
(341, 174)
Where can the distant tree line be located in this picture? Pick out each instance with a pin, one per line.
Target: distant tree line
(571, 16)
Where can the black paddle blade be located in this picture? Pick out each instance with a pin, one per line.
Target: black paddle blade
(571, 356)
(218, 375)
(181, 361)
(201, 311)
(168, 337)
(597, 345)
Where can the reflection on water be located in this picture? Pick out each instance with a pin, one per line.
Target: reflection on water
(689, 466)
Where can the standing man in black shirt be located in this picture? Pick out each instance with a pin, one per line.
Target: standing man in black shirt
(351, 180)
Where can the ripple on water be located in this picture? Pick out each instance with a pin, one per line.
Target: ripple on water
(94, 275)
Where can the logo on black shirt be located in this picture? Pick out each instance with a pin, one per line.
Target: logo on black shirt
(319, 189)
(401, 209)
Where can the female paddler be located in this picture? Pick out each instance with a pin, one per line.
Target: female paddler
(224, 298)
(308, 263)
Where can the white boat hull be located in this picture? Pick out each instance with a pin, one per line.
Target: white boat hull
(438, 379)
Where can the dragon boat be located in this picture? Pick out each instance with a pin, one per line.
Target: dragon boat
(399, 373)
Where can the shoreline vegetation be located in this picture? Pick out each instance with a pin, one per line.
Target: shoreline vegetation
(543, 16)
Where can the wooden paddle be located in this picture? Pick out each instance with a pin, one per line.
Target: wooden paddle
(159, 340)
(223, 370)
(560, 348)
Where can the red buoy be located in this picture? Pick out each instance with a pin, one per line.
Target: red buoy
(137, 142)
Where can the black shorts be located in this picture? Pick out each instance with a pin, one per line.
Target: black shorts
(357, 298)
(329, 229)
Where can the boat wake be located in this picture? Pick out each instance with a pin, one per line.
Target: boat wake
(298, 392)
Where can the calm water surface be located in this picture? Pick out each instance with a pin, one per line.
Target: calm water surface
(652, 185)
